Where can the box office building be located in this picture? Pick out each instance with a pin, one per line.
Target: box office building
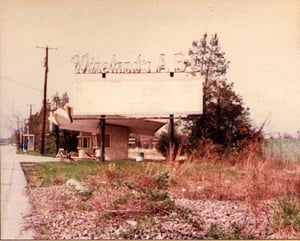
(116, 135)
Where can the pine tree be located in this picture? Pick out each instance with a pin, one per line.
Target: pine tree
(225, 120)
(209, 61)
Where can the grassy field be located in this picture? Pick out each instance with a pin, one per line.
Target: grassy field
(286, 150)
(149, 188)
(55, 173)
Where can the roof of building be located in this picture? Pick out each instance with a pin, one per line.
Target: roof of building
(91, 123)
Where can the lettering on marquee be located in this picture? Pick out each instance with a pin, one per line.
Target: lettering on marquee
(88, 65)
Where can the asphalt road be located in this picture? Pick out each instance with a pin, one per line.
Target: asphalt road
(14, 202)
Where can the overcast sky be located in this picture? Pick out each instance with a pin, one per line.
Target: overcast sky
(261, 39)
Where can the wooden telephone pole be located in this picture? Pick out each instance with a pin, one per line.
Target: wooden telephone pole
(44, 99)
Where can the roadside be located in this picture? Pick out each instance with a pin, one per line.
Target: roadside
(14, 202)
(156, 200)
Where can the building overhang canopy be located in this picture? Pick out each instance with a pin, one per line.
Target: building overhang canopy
(91, 123)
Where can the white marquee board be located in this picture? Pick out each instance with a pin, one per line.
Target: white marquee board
(148, 94)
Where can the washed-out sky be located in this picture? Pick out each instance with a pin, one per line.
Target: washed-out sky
(261, 39)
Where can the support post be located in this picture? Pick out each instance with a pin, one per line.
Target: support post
(57, 138)
(102, 145)
(65, 139)
(172, 137)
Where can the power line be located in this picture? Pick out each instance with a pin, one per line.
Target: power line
(21, 83)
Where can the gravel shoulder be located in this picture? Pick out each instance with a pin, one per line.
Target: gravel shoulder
(53, 216)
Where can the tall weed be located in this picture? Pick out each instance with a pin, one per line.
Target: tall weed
(236, 231)
(238, 175)
(287, 214)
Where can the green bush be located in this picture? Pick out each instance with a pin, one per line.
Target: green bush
(287, 215)
(163, 144)
(235, 232)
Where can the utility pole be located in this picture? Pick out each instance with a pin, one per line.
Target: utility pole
(44, 99)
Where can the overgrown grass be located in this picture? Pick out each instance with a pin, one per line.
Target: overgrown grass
(118, 190)
(128, 189)
(284, 150)
(235, 232)
(253, 178)
(287, 215)
(55, 173)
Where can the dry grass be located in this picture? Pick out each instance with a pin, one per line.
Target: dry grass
(243, 176)
(121, 191)
(258, 180)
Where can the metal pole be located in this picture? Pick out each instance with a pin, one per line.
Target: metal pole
(102, 126)
(172, 138)
(57, 138)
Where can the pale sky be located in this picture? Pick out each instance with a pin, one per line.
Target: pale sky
(261, 39)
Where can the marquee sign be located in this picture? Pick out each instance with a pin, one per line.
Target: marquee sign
(134, 89)
(87, 65)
